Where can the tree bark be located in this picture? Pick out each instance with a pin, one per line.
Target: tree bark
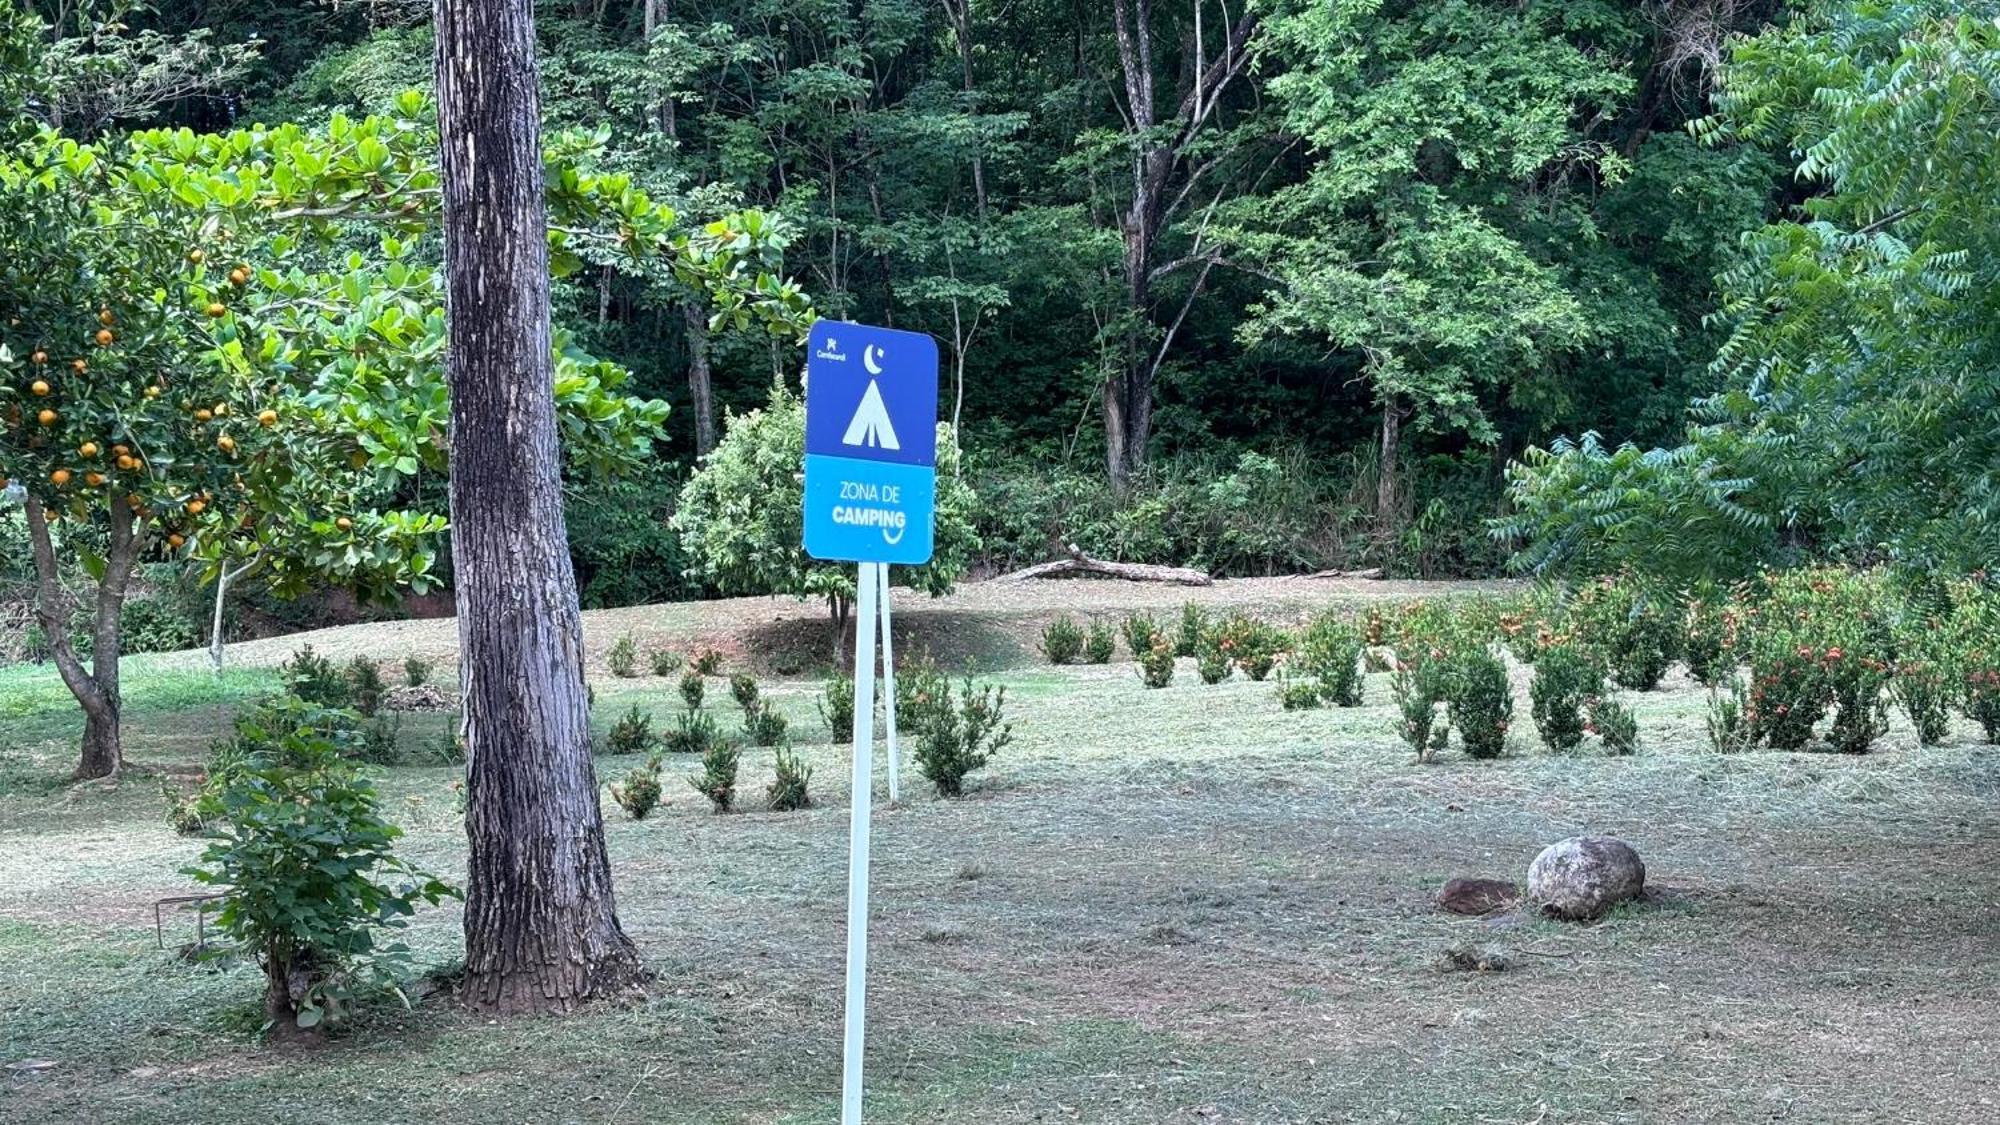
(96, 690)
(541, 923)
(1386, 482)
(223, 580)
(701, 384)
(960, 13)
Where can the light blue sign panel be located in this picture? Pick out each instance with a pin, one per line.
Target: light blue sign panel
(871, 444)
(869, 511)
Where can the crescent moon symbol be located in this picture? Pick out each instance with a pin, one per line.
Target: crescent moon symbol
(868, 355)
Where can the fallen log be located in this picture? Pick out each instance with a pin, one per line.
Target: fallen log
(1369, 572)
(1080, 566)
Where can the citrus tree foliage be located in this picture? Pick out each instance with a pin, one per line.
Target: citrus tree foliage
(1862, 409)
(226, 346)
(741, 515)
(1429, 124)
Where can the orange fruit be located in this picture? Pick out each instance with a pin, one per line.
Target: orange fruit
(222, 410)
(344, 524)
(196, 507)
(175, 540)
(105, 318)
(197, 256)
(267, 417)
(203, 415)
(104, 337)
(40, 387)
(79, 366)
(120, 450)
(40, 357)
(60, 476)
(94, 480)
(226, 443)
(217, 310)
(46, 417)
(87, 449)
(240, 276)
(126, 462)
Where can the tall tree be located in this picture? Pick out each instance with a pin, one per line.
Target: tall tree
(1171, 153)
(541, 923)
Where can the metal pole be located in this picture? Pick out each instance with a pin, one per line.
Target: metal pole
(889, 688)
(867, 585)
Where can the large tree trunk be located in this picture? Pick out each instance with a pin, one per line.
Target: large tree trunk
(1387, 502)
(541, 926)
(96, 690)
(701, 384)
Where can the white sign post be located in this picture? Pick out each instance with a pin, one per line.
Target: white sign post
(867, 586)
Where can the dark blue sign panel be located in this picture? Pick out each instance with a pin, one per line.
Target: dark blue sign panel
(871, 444)
(871, 393)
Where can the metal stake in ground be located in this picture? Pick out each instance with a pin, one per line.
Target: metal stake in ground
(856, 1031)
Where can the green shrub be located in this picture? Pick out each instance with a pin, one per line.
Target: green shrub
(1156, 663)
(364, 685)
(963, 738)
(1415, 688)
(1101, 645)
(416, 670)
(1729, 728)
(922, 695)
(1615, 724)
(1529, 623)
(1974, 629)
(1814, 640)
(1139, 631)
(788, 789)
(632, 733)
(717, 777)
(155, 624)
(836, 706)
(378, 741)
(1925, 686)
(623, 657)
(665, 662)
(1213, 662)
(1638, 631)
(639, 793)
(693, 688)
(1567, 677)
(1300, 695)
(1330, 655)
(1253, 645)
(314, 679)
(184, 814)
(1707, 636)
(694, 732)
(762, 724)
(305, 861)
(1193, 626)
(1062, 641)
(707, 662)
(743, 689)
(1482, 701)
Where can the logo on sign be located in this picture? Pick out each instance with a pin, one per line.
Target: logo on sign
(871, 425)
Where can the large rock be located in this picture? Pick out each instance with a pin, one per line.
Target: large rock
(1584, 876)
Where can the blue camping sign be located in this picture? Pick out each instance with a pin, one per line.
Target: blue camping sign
(871, 444)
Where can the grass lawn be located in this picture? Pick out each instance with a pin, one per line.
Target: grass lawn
(1183, 905)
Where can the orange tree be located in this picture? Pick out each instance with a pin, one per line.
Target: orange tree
(227, 349)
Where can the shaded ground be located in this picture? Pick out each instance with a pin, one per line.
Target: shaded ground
(1159, 906)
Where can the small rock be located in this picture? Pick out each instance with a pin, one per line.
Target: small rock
(1476, 897)
(1582, 877)
(421, 697)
